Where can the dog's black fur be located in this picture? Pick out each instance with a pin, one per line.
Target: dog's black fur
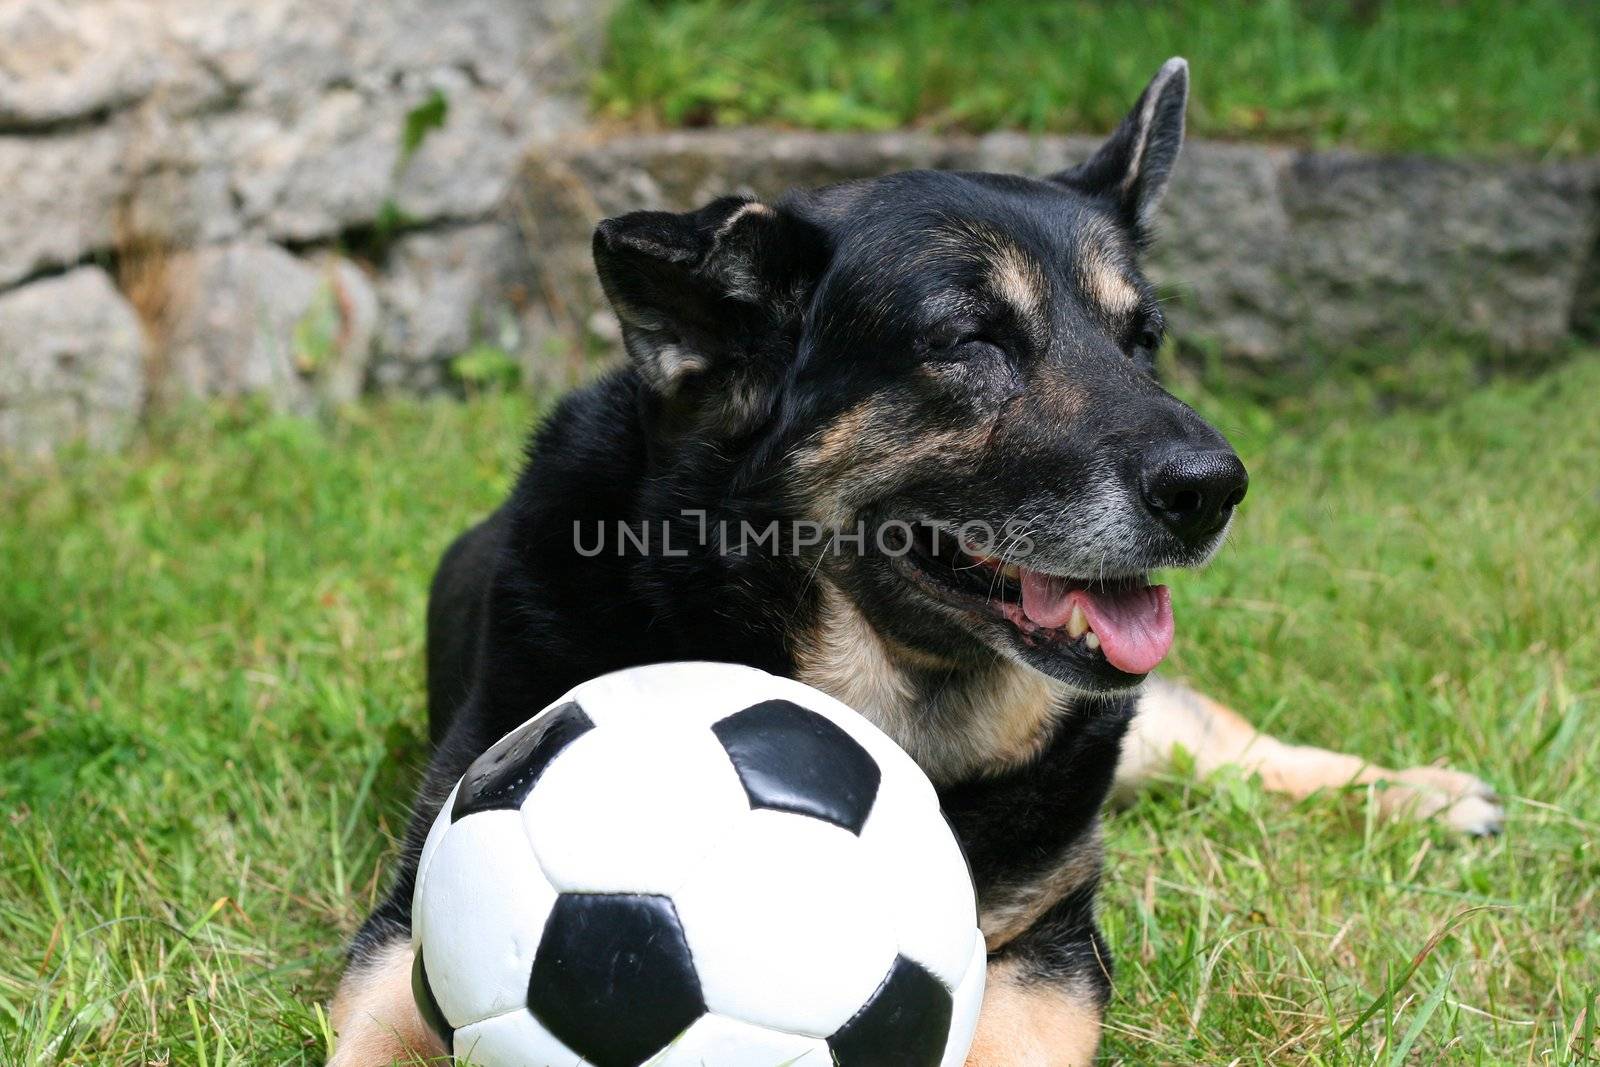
(923, 346)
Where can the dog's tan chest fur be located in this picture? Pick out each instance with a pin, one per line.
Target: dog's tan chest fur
(955, 726)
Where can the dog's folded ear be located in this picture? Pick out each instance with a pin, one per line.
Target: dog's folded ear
(1133, 166)
(710, 300)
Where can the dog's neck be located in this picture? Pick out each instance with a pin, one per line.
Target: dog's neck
(955, 720)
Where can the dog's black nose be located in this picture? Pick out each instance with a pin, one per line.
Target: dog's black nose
(1194, 491)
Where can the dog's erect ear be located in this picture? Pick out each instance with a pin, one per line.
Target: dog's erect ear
(710, 301)
(1133, 166)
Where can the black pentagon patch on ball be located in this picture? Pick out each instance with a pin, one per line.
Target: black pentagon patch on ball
(792, 759)
(504, 775)
(428, 1004)
(906, 1022)
(613, 978)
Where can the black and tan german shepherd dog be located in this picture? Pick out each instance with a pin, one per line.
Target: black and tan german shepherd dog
(926, 354)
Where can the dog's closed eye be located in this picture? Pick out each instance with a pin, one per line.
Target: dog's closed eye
(964, 349)
(1144, 342)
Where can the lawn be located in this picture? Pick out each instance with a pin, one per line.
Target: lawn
(211, 713)
(1479, 76)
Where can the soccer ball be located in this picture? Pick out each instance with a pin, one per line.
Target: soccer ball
(696, 864)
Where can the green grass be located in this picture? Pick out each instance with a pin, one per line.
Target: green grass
(211, 714)
(1480, 76)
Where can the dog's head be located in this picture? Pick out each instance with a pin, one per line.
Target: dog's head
(961, 367)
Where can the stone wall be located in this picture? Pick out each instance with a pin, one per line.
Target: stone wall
(1266, 254)
(305, 199)
(220, 196)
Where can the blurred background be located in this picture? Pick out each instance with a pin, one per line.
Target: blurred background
(284, 283)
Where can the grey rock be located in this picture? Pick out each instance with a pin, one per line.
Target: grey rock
(314, 146)
(72, 363)
(1586, 304)
(1265, 253)
(80, 191)
(681, 169)
(335, 162)
(61, 197)
(1221, 246)
(442, 293)
(61, 61)
(1389, 250)
(198, 121)
(280, 51)
(204, 135)
(250, 318)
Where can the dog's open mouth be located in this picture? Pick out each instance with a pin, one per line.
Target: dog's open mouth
(1124, 621)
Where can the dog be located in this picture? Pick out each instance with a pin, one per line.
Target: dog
(952, 375)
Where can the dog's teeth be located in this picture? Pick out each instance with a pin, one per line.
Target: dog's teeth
(1012, 571)
(1092, 641)
(1077, 625)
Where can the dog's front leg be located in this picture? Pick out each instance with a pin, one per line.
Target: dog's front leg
(1046, 993)
(374, 1015)
(1034, 1023)
(1170, 716)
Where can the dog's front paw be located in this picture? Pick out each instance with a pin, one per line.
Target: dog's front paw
(376, 1017)
(1462, 801)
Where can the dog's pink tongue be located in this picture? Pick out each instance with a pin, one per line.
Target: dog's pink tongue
(1046, 600)
(1134, 625)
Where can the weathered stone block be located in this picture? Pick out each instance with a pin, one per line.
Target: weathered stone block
(196, 121)
(206, 135)
(251, 318)
(63, 61)
(1266, 253)
(1390, 249)
(441, 293)
(72, 363)
(1221, 245)
(59, 199)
